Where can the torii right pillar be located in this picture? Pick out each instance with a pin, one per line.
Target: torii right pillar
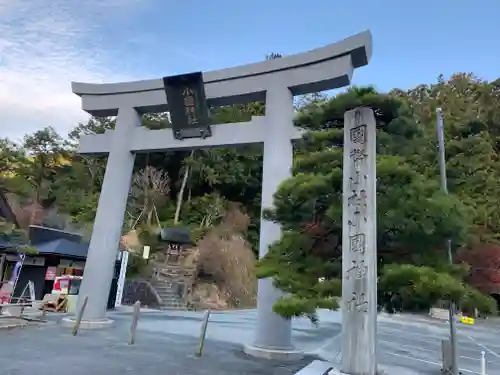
(359, 244)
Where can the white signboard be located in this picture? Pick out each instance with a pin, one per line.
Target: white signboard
(121, 279)
(145, 253)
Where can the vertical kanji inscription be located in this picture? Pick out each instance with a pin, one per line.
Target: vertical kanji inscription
(359, 268)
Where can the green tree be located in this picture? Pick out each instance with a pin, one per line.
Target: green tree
(414, 216)
(11, 156)
(46, 153)
(472, 128)
(95, 125)
(419, 288)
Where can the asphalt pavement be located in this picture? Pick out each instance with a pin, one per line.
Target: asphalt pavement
(166, 342)
(416, 342)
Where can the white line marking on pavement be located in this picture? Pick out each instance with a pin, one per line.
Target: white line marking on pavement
(425, 349)
(429, 362)
(488, 361)
(433, 350)
(406, 336)
(437, 341)
(464, 345)
(484, 347)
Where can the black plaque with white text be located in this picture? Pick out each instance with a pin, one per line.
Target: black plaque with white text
(187, 105)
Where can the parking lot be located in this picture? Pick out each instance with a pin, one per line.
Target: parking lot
(416, 343)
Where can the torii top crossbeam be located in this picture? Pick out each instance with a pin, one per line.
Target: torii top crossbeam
(321, 69)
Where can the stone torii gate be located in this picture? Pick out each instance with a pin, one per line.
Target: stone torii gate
(273, 81)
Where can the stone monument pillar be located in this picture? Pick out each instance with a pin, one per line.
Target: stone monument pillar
(359, 244)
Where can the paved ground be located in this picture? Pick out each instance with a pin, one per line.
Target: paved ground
(7, 323)
(166, 343)
(416, 342)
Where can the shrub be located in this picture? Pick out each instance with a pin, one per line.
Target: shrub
(475, 299)
(227, 258)
(420, 288)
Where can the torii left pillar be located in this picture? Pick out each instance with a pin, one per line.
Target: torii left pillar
(108, 223)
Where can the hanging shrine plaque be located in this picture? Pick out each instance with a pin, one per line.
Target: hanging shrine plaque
(187, 105)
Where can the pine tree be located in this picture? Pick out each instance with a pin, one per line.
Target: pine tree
(413, 215)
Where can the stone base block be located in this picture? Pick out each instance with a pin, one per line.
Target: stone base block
(441, 314)
(276, 354)
(87, 324)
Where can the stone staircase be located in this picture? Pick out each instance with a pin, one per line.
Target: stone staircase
(170, 298)
(172, 282)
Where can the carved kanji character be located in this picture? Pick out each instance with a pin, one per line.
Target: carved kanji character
(191, 115)
(354, 181)
(357, 155)
(359, 269)
(189, 101)
(358, 201)
(187, 92)
(357, 243)
(358, 134)
(357, 302)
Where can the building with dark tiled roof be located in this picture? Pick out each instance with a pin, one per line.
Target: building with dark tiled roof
(58, 252)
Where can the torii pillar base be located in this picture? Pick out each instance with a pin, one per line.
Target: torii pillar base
(70, 322)
(273, 354)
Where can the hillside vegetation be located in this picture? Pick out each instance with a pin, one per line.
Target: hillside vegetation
(49, 184)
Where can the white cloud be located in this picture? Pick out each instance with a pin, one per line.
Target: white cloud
(44, 45)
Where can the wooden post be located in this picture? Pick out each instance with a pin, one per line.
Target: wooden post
(2, 263)
(135, 319)
(79, 316)
(203, 333)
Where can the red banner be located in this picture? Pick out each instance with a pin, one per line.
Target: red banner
(50, 274)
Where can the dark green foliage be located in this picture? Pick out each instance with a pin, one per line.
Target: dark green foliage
(413, 216)
(419, 288)
(17, 239)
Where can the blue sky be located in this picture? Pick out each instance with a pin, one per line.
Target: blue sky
(44, 44)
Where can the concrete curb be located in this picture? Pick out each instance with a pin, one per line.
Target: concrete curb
(13, 325)
(274, 354)
(69, 322)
